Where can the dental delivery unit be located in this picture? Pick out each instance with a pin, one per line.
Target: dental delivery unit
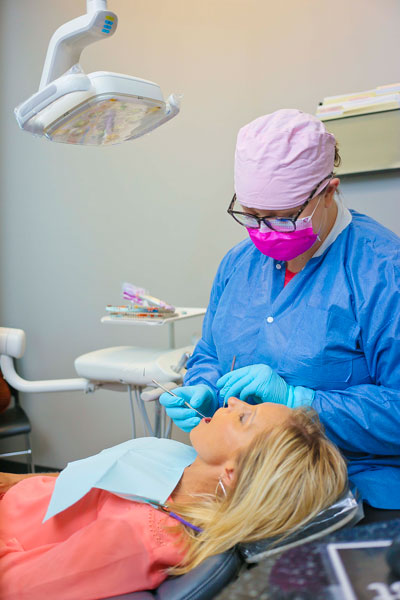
(95, 109)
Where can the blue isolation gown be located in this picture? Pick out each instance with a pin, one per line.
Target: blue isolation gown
(335, 328)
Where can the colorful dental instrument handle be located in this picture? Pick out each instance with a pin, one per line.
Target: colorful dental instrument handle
(201, 399)
(263, 383)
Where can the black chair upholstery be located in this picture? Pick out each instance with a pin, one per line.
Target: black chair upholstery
(202, 583)
(345, 512)
(14, 421)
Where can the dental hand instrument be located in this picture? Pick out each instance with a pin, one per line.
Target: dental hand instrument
(141, 297)
(169, 512)
(232, 367)
(150, 394)
(179, 398)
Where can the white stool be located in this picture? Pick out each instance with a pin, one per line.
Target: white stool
(132, 368)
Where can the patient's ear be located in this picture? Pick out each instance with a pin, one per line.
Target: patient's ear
(228, 475)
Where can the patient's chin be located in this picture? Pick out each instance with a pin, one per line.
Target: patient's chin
(196, 431)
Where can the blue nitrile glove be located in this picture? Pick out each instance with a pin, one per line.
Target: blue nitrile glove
(199, 396)
(265, 384)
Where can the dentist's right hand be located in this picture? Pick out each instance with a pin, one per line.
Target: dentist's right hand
(199, 396)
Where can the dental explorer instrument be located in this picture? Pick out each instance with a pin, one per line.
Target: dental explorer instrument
(172, 394)
(232, 367)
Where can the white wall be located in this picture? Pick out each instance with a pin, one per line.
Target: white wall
(76, 222)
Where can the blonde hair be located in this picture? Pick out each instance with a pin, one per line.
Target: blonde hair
(284, 479)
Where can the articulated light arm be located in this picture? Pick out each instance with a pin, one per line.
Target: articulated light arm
(93, 5)
(68, 41)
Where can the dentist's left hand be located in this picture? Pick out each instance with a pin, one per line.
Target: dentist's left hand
(265, 384)
(199, 396)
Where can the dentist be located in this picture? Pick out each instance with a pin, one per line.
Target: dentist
(309, 304)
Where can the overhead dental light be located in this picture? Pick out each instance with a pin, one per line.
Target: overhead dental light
(97, 109)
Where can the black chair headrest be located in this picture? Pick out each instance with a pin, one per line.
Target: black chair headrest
(347, 510)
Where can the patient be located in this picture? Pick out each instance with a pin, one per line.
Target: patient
(260, 471)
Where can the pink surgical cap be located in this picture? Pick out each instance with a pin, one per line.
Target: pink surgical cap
(280, 158)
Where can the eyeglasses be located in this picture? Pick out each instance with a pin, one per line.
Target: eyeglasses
(286, 224)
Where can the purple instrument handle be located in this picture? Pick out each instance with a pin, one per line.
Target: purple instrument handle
(175, 516)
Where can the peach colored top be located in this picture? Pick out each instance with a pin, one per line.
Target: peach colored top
(100, 547)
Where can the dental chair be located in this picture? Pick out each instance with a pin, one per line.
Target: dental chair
(133, 369)
(122, 368)
(207, 580)
(14, 422)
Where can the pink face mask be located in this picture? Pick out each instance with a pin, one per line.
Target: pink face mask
(285, 245)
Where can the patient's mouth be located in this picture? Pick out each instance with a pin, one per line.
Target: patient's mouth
(206, 419)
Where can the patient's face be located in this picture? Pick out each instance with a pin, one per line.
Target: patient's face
(233, 428)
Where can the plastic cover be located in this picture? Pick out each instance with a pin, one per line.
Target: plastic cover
(347, 510)
(104, 120)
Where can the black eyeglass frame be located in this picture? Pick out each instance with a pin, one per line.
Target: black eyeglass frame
(265, 220)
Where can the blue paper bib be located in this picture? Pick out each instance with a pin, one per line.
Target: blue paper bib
(142, 470)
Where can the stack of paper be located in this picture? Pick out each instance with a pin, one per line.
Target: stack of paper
(382, 98)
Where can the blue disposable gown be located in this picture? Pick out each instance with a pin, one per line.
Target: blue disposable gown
(334, 328)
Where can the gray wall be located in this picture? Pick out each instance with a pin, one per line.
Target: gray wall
(77, 222)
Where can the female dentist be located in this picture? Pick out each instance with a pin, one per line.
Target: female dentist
(309, 304)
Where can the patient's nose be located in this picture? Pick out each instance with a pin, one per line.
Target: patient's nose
(234, 402)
